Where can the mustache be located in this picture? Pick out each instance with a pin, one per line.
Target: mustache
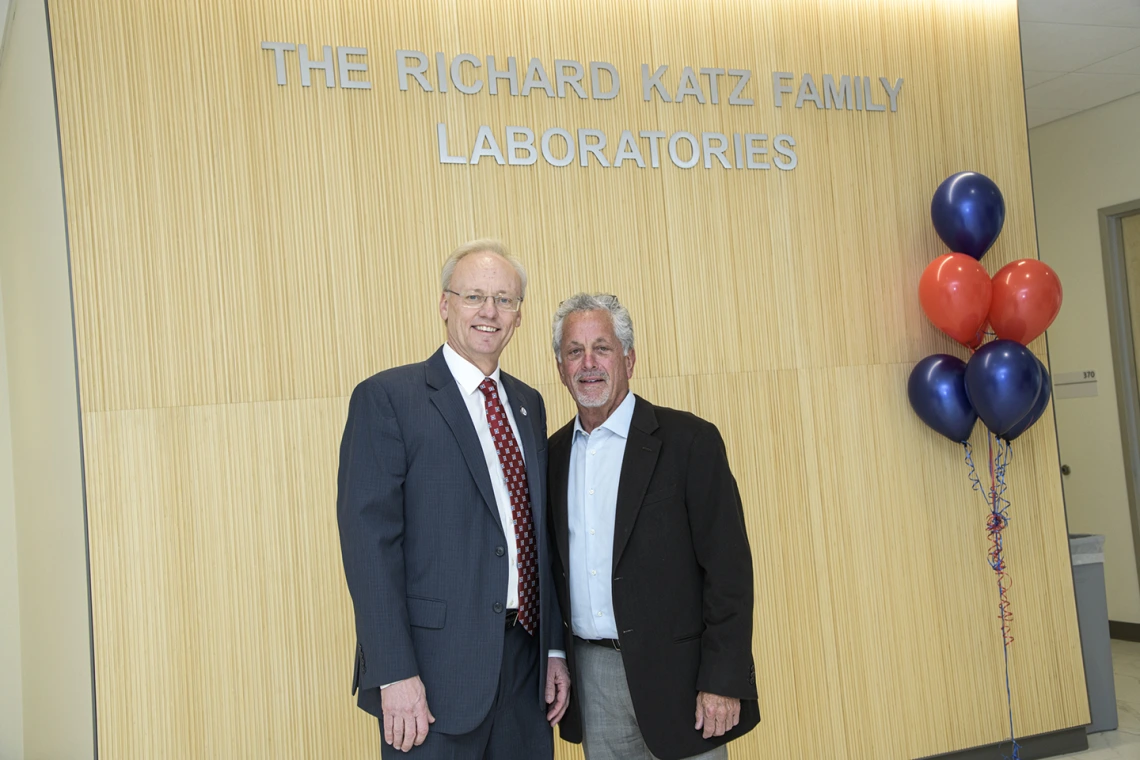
(592, 374)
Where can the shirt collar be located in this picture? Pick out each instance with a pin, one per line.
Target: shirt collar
(617, 423)
(466, 374)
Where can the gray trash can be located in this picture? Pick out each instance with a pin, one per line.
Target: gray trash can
(1087, 552)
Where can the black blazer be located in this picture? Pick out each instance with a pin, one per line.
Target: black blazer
(682, 578)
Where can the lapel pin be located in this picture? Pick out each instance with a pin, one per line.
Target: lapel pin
(523, 410)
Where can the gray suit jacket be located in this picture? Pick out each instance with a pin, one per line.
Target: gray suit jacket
(423, 547)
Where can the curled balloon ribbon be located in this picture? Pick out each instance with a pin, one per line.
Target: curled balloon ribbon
(975, 484)
(996, 522)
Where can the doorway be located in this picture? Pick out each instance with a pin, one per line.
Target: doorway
(1120, 245)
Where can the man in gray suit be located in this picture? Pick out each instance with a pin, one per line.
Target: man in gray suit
(442, 511)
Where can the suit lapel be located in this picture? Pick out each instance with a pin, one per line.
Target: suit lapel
(450, 404)
(641, 452)
(560, 445)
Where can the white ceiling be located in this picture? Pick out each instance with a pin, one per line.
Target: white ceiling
(1078, 54)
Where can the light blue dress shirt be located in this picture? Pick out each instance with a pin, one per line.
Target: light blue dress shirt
(591, 500)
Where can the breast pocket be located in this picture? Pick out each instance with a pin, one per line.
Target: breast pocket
(426, 613)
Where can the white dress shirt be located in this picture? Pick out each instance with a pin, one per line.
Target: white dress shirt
(591, 502)
(468, 377)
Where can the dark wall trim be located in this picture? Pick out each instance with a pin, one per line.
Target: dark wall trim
(1032, 747)
(1124, 631)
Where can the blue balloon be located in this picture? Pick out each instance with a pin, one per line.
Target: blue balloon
(937, 392)
(1038, 406)
(1003, 380)
(968, 212)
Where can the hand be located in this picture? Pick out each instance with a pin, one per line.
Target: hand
(557, 689)
(716, 714)
(406, 713)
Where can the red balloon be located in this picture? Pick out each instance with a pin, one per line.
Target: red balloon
(1026, 299)
(955, 294)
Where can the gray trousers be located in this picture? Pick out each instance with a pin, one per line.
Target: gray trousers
(516, 727)
(609, 726)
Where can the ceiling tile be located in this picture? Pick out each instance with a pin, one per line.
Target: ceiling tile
(1038, 116)
(1034, 78)
(1068, 47)
(1081, 91)
(1125, 63)
(1100, 12)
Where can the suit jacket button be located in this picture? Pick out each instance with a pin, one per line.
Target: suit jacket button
(500, 551)
(497, 607)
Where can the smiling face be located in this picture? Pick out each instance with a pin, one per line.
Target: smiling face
(593, 367)
(480, 335)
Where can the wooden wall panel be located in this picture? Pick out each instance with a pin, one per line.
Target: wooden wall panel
(244, 253)
(216, 573)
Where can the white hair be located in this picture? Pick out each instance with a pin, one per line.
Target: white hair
(619, 316)
(497, 247)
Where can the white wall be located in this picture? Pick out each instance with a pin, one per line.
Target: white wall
(5, 8)
(11, 684)
(45, 470)
(1083, 163)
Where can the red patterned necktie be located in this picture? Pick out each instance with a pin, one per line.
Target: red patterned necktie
(514, 470)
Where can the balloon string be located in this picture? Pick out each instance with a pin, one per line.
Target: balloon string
(996, 523)
(975, 482)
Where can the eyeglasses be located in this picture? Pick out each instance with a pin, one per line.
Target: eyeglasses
(476, 301)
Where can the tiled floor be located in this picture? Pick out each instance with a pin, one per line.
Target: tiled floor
(1124, 742)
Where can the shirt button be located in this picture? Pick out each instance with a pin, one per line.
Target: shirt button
(593, 572)
(591, 452)
(599, 614)
(591, 491)
(591, 531)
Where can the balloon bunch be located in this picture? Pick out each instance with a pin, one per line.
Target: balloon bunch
(1003, 383)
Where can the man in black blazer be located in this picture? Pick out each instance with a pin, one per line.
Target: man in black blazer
(441, 505)
(655, 576)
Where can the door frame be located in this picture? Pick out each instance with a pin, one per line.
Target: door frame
(1124, 364)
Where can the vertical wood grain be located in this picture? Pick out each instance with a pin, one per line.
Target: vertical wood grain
(244, 253)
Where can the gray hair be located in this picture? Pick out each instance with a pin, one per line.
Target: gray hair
(487, 245)
(619, 316)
